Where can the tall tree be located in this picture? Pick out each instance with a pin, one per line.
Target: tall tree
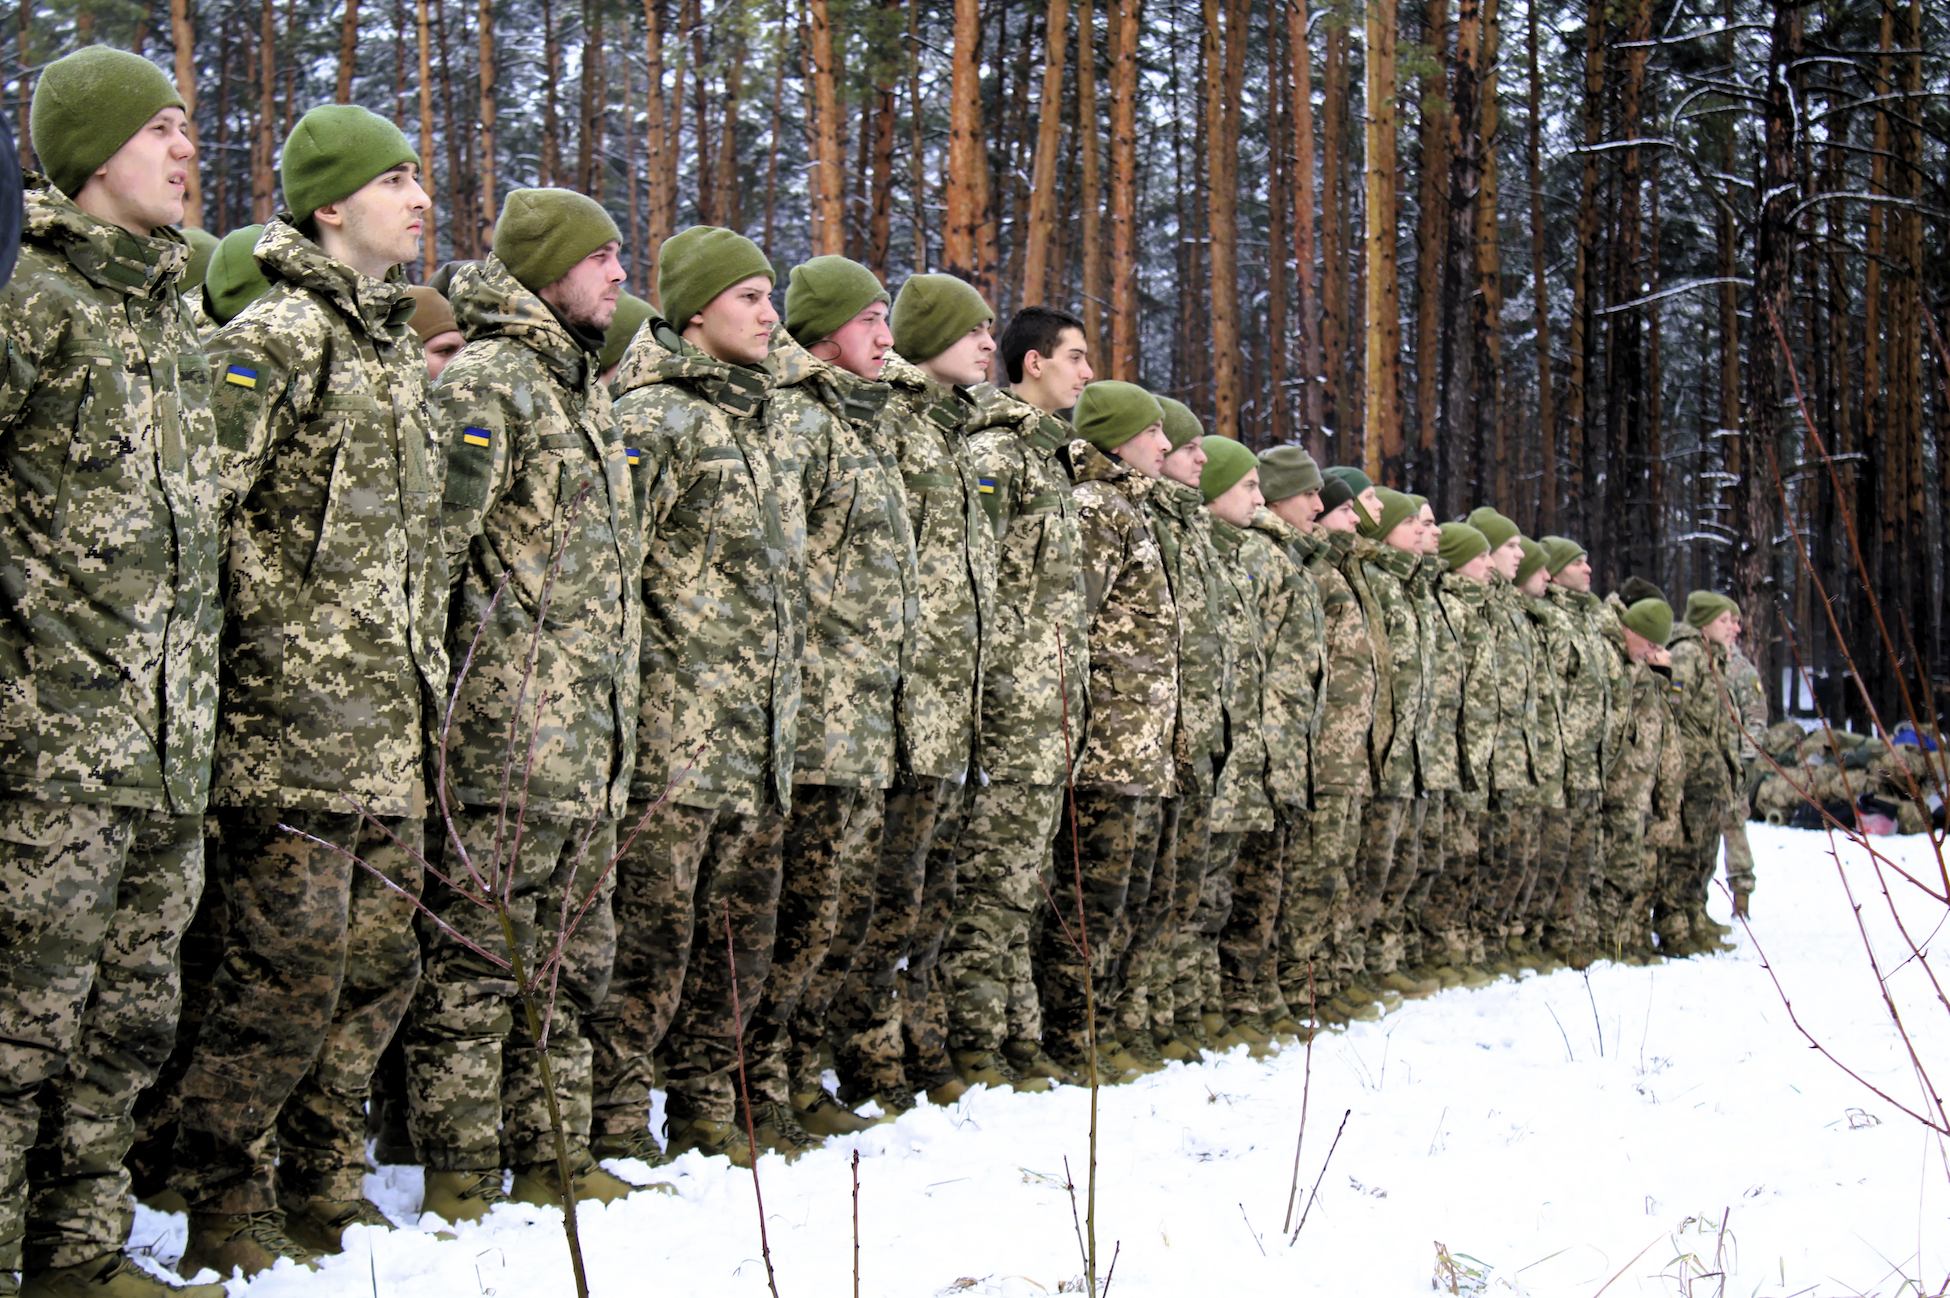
(348, 46)
(829, 186)
(263, 178)
(1225, 56)
(1041, 220)
(489, 209)
(967, 215)
(1090, 191)
(1381, 426)
(430, 255)
(1306, 338)
(1125, 17)
(661, 214)
(1546, 516)
(182, 33)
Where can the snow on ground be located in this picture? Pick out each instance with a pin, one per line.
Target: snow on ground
(1552, 1134)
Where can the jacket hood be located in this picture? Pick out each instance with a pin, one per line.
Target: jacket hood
(106, 254)
(382, 306)
(659, 355)
(489, 302)
(1089, 464)
(838, 389)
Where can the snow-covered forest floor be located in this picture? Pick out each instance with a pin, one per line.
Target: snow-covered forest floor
(1641, 1130)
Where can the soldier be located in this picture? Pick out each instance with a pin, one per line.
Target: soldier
(1710, 736)
(1035, 703)
(826, 418)
(631, 313)
(108, 629)
(1437, 761)
(537, 493)
(1544, 884)
(720, 699)
(1509, 854)
(889, 1022)
(233, 282)
(439, 334)
(1462, 601)
(1750, 700)
(1642, 797)
(321, 399)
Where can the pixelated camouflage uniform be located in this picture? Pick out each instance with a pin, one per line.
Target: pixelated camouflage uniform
(1438, 764)
(724, 540)
(889, 1021)
(1750, 700)
(1544, 889)
(1641, 799)
(1581, 665)
(1710, 741)
(1023, 461)
(335, 599)
(1391, 839)
(108, 640)
(1510, 856)
(529, 442)
(1471, 698)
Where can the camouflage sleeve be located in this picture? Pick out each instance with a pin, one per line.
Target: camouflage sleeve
(643, 424)
(998, 468)
(1106, 547)
(265, 365)
(25, 348)
(477, 440)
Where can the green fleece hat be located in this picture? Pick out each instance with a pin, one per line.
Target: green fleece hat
(235, 280)
(1460, 544)
(1638, 588)
(1560, 552)
(202, 244)
(823, 294)
(1287, 471)
(1396, 508)
(334, 151)
(1335, 492)
(1650, 617)
(1226, 461)
(932, 314)
(1497, 528)
(1533, 559)
(631, 312)
(1182, 427)
(1702, 606)
(702, 262)
(433, 314)
(543, 233)
(1357, 482)
(1110, 413)
(88, 105)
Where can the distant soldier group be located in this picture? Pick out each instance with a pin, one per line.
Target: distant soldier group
(1001, 747)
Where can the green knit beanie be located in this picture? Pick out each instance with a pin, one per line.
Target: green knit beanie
(235, 280)
(1396, 509)
(631, 312)
(1493, 525)
(1702, 606)
(1226, 461)
(932, 314)
(1110, 413)
(1287, 471)
(1559, 552)
(702, 262)
(821, 295)
(336, 150)
(1357, 482)
(1334, 492)
(1182, 427)
(543, 233)
(88, 105)
(202, 244)
(1533, 559)
(1650, 617)
(1460, 544)
(1635, 589)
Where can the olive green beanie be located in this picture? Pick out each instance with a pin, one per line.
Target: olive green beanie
(1357, 482)
(1226, 461)
(1703, 606)
(1533, 559)
(1182, 427)
(1460, 544)
(821, 295)
(1497, 528)
(1638, 588)
(88, 105)
(543, 233)
(1335, 492)
(202, 244)
(336, 150)
(235, 280)
(695, 266)
(1559, 552)
(1396, 508)
(1110, 413)
(433, 314)
(1650, 617)
(932, 314)
(1287, 471)
(631, 312)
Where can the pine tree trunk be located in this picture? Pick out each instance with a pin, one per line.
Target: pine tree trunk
(1546, 514)
(967, 170)
(730, 190)
(263, 178)
(1049, 138)
(1587, 236)
(1225, 43)
(183, 35)
(1625, 366)
(348, 46)
(1487, 334)
(1090, 196)
(1334, 257)
(1306, 333)
(490, 211)
(1381, 423)
(772, 136)
(550, 165)
(1432, 237)
(1125, 17)
(1273, 424)
(880, 221)
(399, 64)
(917, 153)
(661, 214)
(828, 225)
(429, 254)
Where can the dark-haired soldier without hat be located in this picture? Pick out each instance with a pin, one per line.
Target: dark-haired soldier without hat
(108, 633)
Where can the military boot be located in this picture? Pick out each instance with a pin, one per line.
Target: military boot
(457, 1197)
(1365, 987)
(320, 1224)
(893, 1101)
(1191, 1040)
(1343, 1008)
(947, 1091)
(638, 1144)
(246, 1242)
(776, 1130)
(113, 1276)
(1413, 989)
(1447, 975)
(709, 1139)
(1474, 976)
(1139, 1054)
(1035, 1065)
(990, 1068)
(541, 1183)
(822, 1115)
(1286, 1029)
(1249, 1031)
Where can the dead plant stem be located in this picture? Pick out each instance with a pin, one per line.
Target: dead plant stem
(745, 1098)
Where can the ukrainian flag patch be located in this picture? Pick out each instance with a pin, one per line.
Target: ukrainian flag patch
(633, 454)
(987, 486)
(242, 377)
(476, 437)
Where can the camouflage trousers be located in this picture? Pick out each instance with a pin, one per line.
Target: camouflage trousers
(474, 1094)
(1004, 866)
(1422, 940)
(1448, 936)
(320, 963)
(832, 848)
(1314, 888)
(1740, 857)
(1247, 960)
(1384, 822)
(1571, 850)
(1621, 918)
(1157, 908)
(1115, 837)
(1679, 907)
(1195, 984)
(159, 1108)
(1337, 848)
(94, 900)
(888, 1023)
(1510, 868)
(671, 984)
(1388, 935)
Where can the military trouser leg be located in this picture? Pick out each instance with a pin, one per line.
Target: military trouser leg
(1137, 894)
(1550, 893)
(1196, 986)
(1689, 869)
(1422, 942)
(1568, 925)
(1111, 831)
(1381, 827)
(858, 849)
(1740, 857)
(1448, 935)
(1314, 883)
(923, 990)
(94, 901)
(1246, 937)
(1513, 868)
(320, 965)
(1184, 847)
(1622, 911)
(1337, 845)
(985, 958)
(1389, 933)
(1146, 906)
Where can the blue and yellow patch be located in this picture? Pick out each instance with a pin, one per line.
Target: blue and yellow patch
(242, 377)
(633, 454)
(476, 437)
(987, 486)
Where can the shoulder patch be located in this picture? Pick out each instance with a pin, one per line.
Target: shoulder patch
(470, 468)
(240, 376)
(477, 437)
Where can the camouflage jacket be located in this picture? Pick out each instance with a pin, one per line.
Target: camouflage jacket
(1274, 555)
(1184, 535)
(1133, 630)
(529, 438)
(1580, 666)
(1024, 464)
(939, 705)
(1708, 733)
(1547, 739)
(334, 585)
(828, 424)
(1645, 778)
(112, 531)
(1437, 746)
(1464, 607)
(1750, 699)
(722, 625)
(1352, 679)
(1394, 576)
(1513, 760)
(1240, 801)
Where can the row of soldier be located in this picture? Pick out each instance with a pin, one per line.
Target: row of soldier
(944, 689)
